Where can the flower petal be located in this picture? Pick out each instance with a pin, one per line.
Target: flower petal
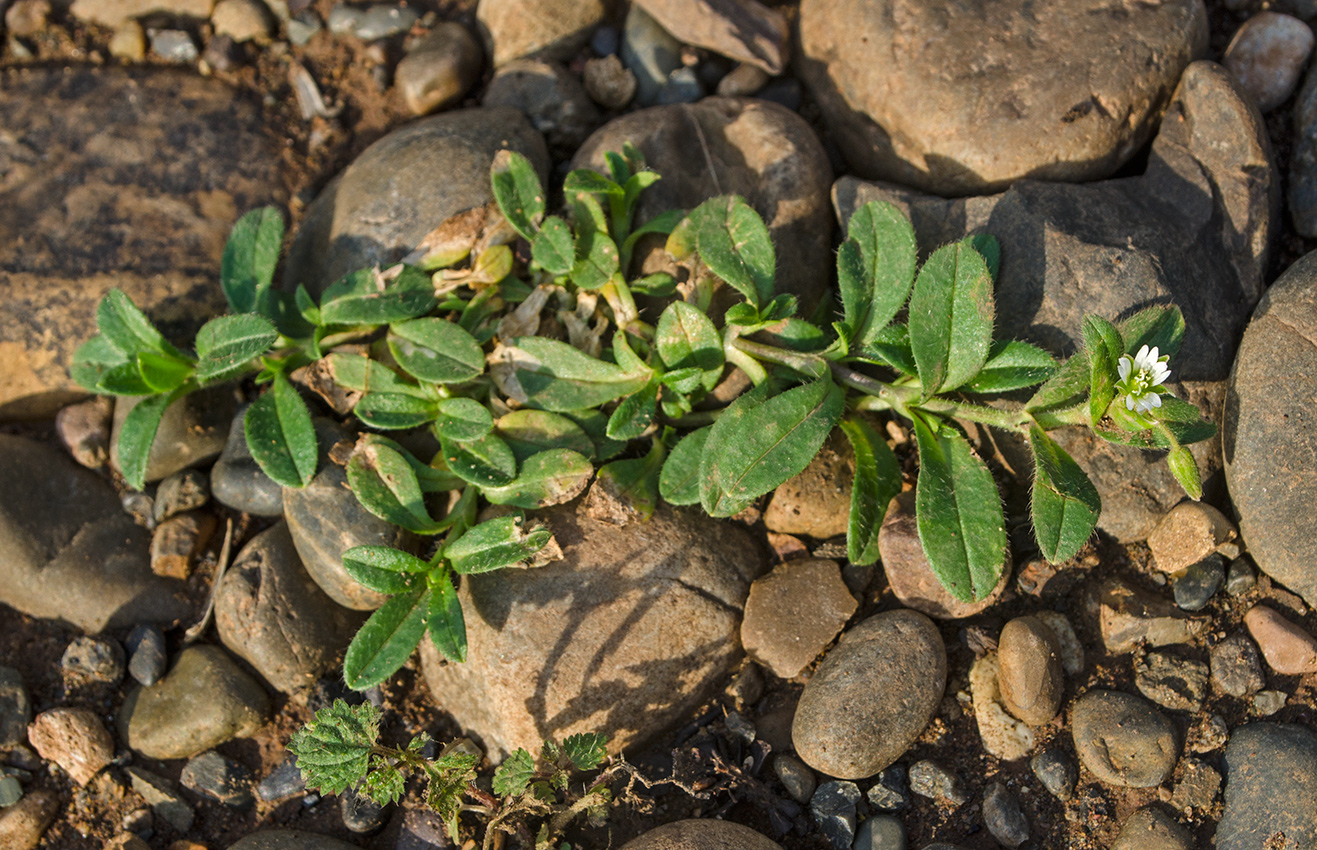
(1123, 366)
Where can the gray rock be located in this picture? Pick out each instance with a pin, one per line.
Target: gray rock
(283, 782)
(302, 26)
(1123, 740)
(371, 22)
(325, 519)
(1073, 94)
(1057, 772)
(1029, 672)
(360, 813)
(932, 780)
(112, 13)
(650, 52)
(1004, 817)
(889, 793)
(163, 798)
(84, 429)
(289, 839)
(606, 41)
(96, 658)
(270, 613)
(872, 695)
(744, 30)
(1129, 616)
(793, 613)
(1302, 193)
(218, 778)
(796, 776)
(192, 431)
(1236, 666)
(67, 551)
(1211, 733)
(238, 482)
(1172, 682)
(1240, 577)
(1271, 787)
(625, 635)
(11, 791)
(401, 188)
(204, 701)
(1195, 588)
(1194, 229)
(174, 46)
(1266, 431)
(733, 146)
(1267, 55)
(1267, 703)
(552, 98)
(1198, 786)
(440, 68)
(833, 808)
(682, 86)
(15, 708)
(608, 82)
(182, 491)
(745, 80)
(146, 654)
(701, 835)
(880, 833)
(545, 29)
(1152, 829)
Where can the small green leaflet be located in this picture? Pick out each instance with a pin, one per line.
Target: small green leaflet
(635, 481)
(127, 328)
(386, 640)
(1104, 346)
(877, 481)
(773, 442)
(280, 435)
(436, 350)
(138, 433)
(162, 374)
(225, 346)
(93, 360)
(529, 432)
(462, 419)
(1185, 469)
(514, 774)
(679, 482)
(585, 180)
(446, 625)
(734, 243)
(385, 482)
(486, 462)
(383, 568)
(333, 750)
(687, 338)
(951, 312)
(518, 192)
(250, 257)
(1012, 365)
(634, 413)
(597, 259)
(558, 377)
(1161, 327)
(494, 544)
(958, 511)
(1065, 504)
(548, 478)
(586, 750)
(875, 268)
(365, 298)
(553, 247)
(711, 491)
(361, 373)
(395, 411)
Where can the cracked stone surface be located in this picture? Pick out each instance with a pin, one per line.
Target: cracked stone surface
(626, 635)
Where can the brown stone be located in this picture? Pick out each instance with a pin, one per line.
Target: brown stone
(817, 502)
(23, 824)
(908, 572)
(73, 738)
(705, 834)
(1129, 616)
(744, 30)
(1288, 648)
(793, 613)
(84, 429)
(1188, 533)
(178, 540)
(1030, 676)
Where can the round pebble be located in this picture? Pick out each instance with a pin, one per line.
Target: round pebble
(146, 654)
(174, 46)
(284, 781)
(1199, 583)
(242, 20)
(1152, 829)
(95, 658)
(218, 778)
(1267, 703)
(1268, 55)
(608, 82)
(1236, 668)
(1029, 672)
(872, 695)
(932, 780)
(795, 776)
(440, 68)
(1057, 772)
(1004, 817)
(880, 833)
(182, 491)
(11, 791)
(1123, 739)
(1240, 577)
(1289, 649)
(1187, 534)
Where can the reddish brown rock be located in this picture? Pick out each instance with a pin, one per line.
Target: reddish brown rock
(793, 613)
(73, 738)
(1288, 648)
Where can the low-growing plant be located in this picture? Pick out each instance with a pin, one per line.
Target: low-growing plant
(515, 338)
(340, 750)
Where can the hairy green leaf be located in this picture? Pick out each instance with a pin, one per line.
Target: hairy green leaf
(586, 180)
(586, 750)
(1065, 504)
(553, 247)
(548, 478)
(1104, 346)
(1012, 365)
(958, 511)
(386, 783)
(1161, 327)
(951, 312)
(386, 640)
(734, 243)
(518, 192)
(250, 257)
(529, 432)
(679, 482)
(486, 462)
(686, 338)
(395, 411)
(138, 433)
(728, 424)
(891, 347)
(128, 329)
(877, 481)
(446, 625)
(280, 435)
(366, 298)
(383, 476)
(494, 544)
(360, 373)
(514, 774)
(634, 482)
(558, 377)
(383, 568)
(162, 374)
(226, 345)
(1066, 389)
(93, 359)
(988, 248)
(333, 750)
(462, 419)
(436, 350)
(875, 268)
(771, 443)
(597, 259)
(634, 413)
(1185, 469)
(124, 379)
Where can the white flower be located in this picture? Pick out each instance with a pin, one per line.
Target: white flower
(1140, 377)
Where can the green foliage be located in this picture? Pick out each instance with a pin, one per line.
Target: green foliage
(518, 342)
